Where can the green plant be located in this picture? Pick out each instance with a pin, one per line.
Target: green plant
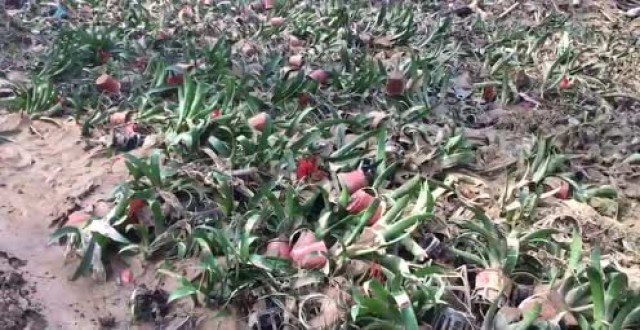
(497, 251)
(384, 308)
(613, 305)
(228, 266)
(75, 48)
(38, 99)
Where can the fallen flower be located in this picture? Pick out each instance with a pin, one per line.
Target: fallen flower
(140, 64)
(215, 113)
(306, 166)
(107, 84)
(360, 201)
(164, 35)
(248, 49)
(303, 100)
(295, 61)
(308, 252)
(78, 218)
(308, 169)
(395, 83)
(131, 129)
(126, 276)
(319, 75)
(564, 191)
(564, 83)
(104, 56)
(258, 121)
(278, 248)
(185, 12)
(277, 21)
(174, 79)
(375, 272)
(118, 118)
(489, 94)
(135, 206)
(353, 180)
(548, 309)
(294, 42)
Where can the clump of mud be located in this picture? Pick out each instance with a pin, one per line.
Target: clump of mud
(17, 312)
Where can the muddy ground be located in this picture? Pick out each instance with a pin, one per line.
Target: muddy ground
(17, 311)
(47, 172)
(43, 166)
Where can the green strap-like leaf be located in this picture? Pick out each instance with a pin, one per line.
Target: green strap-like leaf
(622, 315)
(597, 292)
(353, 144)
(186, 289)
(87, 260)
(575, 252)
(613, 295)
(64, 231)
(529, 317)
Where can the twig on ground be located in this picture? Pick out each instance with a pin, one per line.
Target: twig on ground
(508, 10)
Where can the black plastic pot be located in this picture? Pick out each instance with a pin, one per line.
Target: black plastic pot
(451, 319)
(271, 318)
(520, 292)
(432, 245)
(149, 305)
(523, 287)
(123, 142)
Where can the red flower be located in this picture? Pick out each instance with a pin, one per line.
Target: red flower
(277, 248)
(306, 167)
(303, 100)
(375, 272)
(135, 205)
(103, 55)
(78, 218)
(215, 113)
(126, 276)
(564, 192)
(489, 94)
(131, 128)
(174, 79)
(360, 201)
(140, 63)
(353, 180)
(564, 83)
(308, 252)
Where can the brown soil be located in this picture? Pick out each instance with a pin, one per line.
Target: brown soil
(47, 172)
(16, 308)
(40, 168)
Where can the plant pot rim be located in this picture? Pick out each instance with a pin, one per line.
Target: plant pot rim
(278, 240)
(492, 290)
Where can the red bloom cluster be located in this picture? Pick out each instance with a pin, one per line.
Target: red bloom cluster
(104, 56)
(135, 205)
(489, 94)
(175, 79)
(564, 83)
(308, 168)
